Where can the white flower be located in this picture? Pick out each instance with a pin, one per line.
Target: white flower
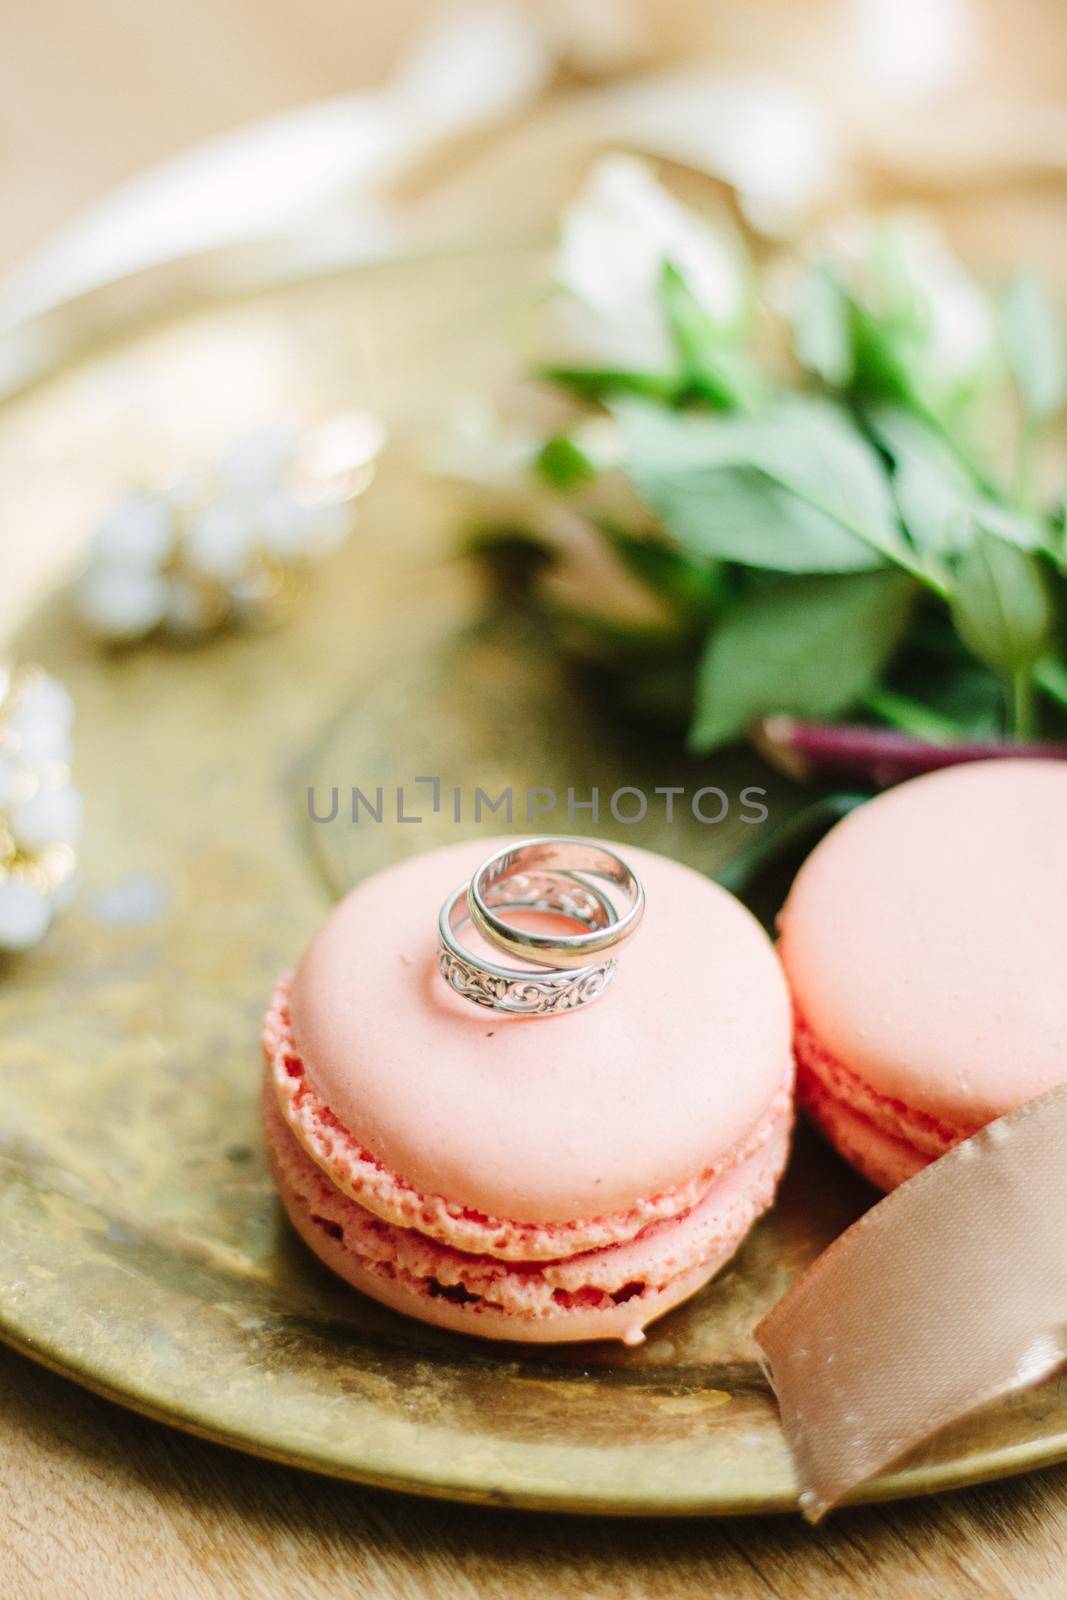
(220, 540)
(53, 815)
(771, 139)
(614, 244)
(37, 720)
(292, 530)
(122, 603)
(40, 809)
(216, 544)
(25, 913)
(194, 606)
(937, 321)
(960, 323)
(138, 531)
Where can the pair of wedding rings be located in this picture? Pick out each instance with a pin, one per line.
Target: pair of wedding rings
(560, 971)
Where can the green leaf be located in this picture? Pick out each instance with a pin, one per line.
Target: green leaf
(939, 501)
(808, 646)
(961, 690)
(598, 384)
(1014, 527)
(1051, 674)
(900, 711)
(563, 464)
(1033, 340)
(713, 368)
(693, 586)
(692, 330)
(821, 330)
(883, 355)
(935, 496)
(796, 490)
(1001, 605)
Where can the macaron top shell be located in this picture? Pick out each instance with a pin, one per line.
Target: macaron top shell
(925, 939)
(543, 1119)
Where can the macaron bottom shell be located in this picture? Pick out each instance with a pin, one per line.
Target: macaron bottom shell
(612, 1293)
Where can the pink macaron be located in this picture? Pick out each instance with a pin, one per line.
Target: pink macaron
(571, 1177)
(925, 945)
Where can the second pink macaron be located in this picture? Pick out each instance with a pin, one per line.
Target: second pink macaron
(925, 944)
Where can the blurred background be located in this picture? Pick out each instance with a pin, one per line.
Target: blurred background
(154, 155)
(921, 95)
(92, 95)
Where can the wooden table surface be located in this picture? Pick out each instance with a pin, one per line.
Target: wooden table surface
(97, 1502)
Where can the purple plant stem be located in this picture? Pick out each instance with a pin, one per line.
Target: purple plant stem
(882, 756)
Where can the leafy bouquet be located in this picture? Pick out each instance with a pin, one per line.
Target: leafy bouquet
(767, 503)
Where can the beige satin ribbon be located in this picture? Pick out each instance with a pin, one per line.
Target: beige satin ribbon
(948, 1294)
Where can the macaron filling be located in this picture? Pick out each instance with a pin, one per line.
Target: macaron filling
(821, 1077)
(638, 1269)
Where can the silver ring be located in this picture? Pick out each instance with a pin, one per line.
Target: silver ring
(554, 855)
(519, 993)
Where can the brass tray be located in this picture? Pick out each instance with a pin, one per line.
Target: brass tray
(142, 1251)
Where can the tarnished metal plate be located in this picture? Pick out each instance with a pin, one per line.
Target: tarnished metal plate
(142, 1250)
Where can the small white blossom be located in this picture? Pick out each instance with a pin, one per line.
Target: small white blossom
(50, 816)
(37, 722)
(193, 607)
(40, 809)
(220, 540)
(286, 527)
(25, 913)
(223, 543)
(960, 322)
(938, 322)
(615, 242)
(137, 532)
(122, 602)
(773, 141)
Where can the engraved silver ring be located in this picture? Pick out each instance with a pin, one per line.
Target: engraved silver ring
(555, 855)
(511, 989)
(545, 875)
